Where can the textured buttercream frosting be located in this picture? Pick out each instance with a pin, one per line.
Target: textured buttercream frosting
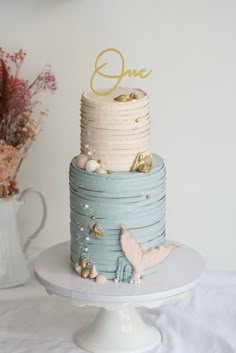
(114, 132)
(133, 200)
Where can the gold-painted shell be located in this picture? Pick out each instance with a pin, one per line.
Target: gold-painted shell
(82, 262)
(85, 268)
(142, 163)
(125, 98)
(85, 272)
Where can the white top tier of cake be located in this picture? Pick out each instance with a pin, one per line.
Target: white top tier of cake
(115, 132)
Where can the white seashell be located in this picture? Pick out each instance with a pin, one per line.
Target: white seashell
(78, 269)
(100, 279)
(92, 165)
(81, 161)
(101, 171)
(93, 273)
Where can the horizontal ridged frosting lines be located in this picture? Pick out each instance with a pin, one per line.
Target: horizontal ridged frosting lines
(134, 200)
(115, 132)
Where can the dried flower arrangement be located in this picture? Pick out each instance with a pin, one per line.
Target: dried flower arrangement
(20, 115)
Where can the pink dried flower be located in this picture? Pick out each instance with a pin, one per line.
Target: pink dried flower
(10, 157)
(19, 123)
(44, 82)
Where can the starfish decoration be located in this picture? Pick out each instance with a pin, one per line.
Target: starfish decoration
(95, 231)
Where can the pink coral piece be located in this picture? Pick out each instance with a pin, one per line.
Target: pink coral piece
(81, 161)
(140, 259)
(78, 268)
(93, 273)
(101, 171)
(100, 279)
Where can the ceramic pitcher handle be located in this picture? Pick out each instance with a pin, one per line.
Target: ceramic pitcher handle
(44, 216)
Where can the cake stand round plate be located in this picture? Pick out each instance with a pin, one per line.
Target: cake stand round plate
(118, 327)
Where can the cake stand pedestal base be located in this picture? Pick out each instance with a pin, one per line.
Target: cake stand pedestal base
(118, 327)
(118, 331)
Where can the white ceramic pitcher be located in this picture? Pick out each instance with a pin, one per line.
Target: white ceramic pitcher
(14, 269)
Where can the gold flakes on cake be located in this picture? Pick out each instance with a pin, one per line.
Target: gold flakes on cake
(142, 163)
(126, 98)
(94, 230)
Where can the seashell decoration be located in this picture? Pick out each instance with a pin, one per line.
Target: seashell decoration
(100, 279)
(78, 268)
(93, 273)
(142, 163)
(92, 165)
(82, 262)
(125, 98)
(86, 270)
(81, 161)
(101, 171)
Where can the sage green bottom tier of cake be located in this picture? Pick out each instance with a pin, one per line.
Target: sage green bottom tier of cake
(106, 202)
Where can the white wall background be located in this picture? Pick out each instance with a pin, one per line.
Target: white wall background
(191, 46)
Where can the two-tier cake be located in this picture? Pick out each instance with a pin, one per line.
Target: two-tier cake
(117, 190)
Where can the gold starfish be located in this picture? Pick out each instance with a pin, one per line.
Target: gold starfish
(95, 231)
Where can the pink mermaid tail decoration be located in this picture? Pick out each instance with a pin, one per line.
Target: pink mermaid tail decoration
(140, 259)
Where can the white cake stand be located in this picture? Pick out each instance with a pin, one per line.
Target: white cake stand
(118, 327)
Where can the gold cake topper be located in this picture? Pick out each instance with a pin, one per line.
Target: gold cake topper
(98, 71)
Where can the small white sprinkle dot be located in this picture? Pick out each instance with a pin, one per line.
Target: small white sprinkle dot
(86, 249)
(81, 229)
(116, 280)
(86, 206)
(87, 238)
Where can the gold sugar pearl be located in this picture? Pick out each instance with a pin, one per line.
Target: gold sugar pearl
(109, 172)
(137, 120)
(99, 161)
